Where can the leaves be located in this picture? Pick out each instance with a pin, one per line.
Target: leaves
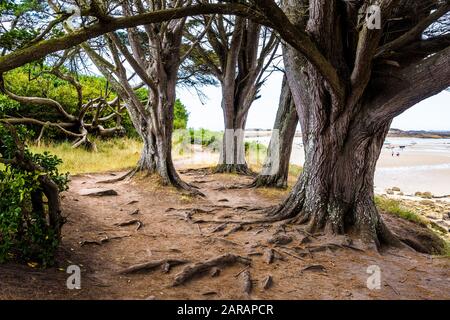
(24, 231)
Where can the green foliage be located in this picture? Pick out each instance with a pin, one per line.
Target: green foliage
(206, 138)
(24, 231)
(181, 116)
(26, 16)
(394, 207)
(33, 80)
(295, 170)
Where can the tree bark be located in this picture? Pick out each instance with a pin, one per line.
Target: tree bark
(158, 68)
(335, 191)
(243, 59)
(276, 166)
(232, 154)
(344, 130)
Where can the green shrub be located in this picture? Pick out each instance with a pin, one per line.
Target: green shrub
(25, 232)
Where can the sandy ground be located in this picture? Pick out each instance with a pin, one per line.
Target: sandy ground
(168, 233)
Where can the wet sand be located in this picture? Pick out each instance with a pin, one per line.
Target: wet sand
(422, 165)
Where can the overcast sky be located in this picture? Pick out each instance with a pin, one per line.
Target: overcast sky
(430, 114)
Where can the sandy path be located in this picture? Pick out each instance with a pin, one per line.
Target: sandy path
(405, 274)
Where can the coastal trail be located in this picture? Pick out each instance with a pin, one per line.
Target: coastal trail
(151, 242)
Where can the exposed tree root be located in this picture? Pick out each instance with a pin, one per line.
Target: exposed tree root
(241, 169)
(267, 282)
(280, 239)
(139, 223)
(196, 171)
(191, 210)
(99, 193)
(315, 268)
(130, 174)
(234, 229)
(269, 256)
(165, 264)
(288, 253)
(231, 187)
(219, 227)
(137, 211)
(175, 181)
(187, 216)
(215, 272)
(331, 219)
(248, 208)
(201, 267)
(247, 284)
(309, 250)
(241, 271)
(102, 240)
(226, 241)
(268, 181)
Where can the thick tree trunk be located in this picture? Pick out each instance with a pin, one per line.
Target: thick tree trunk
(156, 155)
(242, 64)
(335, 190)
(232, 154)
(276, 166)
(147, 161)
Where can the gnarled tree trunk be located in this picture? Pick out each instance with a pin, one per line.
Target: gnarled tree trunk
(335, 191)
(242, 59)
(346, 103)
(275, 170)
(155, 57)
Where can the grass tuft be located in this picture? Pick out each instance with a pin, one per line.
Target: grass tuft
(395, 207)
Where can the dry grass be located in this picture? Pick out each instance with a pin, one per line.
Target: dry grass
(395, 207)
(115, 154)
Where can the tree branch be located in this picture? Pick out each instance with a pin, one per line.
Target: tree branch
(36, 101)
(408, 86)
(415, 32)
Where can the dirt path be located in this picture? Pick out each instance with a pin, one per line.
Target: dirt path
(337, 271)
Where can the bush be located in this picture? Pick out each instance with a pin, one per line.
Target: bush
(181, 116)
(25, 231)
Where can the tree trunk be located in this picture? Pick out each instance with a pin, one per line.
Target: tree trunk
(335, 191)
(147, 161)
(275, 170)
(232, 154)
